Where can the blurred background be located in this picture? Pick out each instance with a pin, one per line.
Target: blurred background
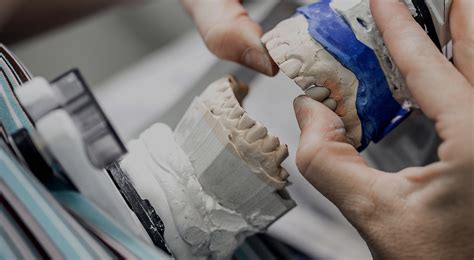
(106, 43)
(145, 63)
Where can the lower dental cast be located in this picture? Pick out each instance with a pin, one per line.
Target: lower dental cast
(214, 181)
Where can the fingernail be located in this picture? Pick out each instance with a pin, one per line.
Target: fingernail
(259, 61)
(302, 114)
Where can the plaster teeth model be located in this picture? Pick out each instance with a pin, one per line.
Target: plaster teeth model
(216, 179)
(335, 53)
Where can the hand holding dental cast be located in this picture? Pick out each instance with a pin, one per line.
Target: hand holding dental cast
(338, 57)
(419, 212)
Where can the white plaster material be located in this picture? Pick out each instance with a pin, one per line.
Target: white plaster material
(37, 98)
(149, 188)
(216, 179)
(63, 140)
(363, 25)
(246, 135)
(203, 228)
(215, 133)
(312, 68)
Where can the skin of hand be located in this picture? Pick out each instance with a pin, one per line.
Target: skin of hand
(230, 34)
(420, 212)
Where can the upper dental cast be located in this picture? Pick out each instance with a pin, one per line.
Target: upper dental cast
(334, 52)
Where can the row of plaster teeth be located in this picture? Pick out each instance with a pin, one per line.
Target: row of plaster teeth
(236, 112)
(256, 132)
(230, 103)
(216, 110)
(291, 67)
(224, 102)
(270, 143)
(233, 115)
(228, 93)
(283, 174)
(245, 122)
(278, 54)
(237, 117)
(222, 87)
(281, 154)
(221, 105)
(321, 94)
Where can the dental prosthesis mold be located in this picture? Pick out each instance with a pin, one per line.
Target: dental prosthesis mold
(213, 181)
(335, 53)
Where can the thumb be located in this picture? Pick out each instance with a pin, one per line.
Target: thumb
(326, 160)
(230, 33)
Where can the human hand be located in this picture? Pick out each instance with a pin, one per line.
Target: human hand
(419, 212)
(230, 33)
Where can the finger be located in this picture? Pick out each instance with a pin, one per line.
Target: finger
(230, 34)
(324, 158)
(462, 33)
(436, 85)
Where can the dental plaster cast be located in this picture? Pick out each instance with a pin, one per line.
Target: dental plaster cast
(335, 53)
(216, 179)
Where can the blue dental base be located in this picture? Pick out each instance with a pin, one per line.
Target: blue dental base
(378, 111)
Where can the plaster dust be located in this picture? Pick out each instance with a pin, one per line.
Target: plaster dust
(305, 61)
(214, 181)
